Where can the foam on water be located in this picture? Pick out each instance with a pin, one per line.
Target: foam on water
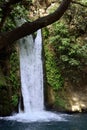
(37, 116)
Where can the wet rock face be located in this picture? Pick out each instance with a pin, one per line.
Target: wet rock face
(76, 97)
(78, 101)
(51, 97)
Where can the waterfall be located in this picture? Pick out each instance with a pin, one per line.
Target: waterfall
(32, 73)
(31, 70)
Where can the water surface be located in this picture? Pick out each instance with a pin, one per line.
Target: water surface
(73, 122)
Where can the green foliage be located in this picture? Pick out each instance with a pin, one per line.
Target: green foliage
(45, 32)
(14, 62)
(53, 74)
(66, 48)
(13, 78)
(76, 19)
(60, 102)
(14, 100)
(9, 25)
(20, 10)
(70, 55)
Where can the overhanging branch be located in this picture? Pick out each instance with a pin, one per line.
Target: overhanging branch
(29, 28)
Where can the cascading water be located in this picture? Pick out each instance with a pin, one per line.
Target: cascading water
(32, 73)
(32, 80)
(31, 69)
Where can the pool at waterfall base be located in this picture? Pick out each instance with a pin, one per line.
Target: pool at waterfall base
(70, 122)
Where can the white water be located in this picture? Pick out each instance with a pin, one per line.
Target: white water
(32, 82)
(31, 73)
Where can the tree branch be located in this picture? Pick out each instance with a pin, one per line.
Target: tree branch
(29, 28)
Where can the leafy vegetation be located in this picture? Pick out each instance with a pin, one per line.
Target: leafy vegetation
(67, 46)
(14, 100)
(14, 76)
(53, 74)
(18, 11)
(70, 55)
(66, 50)
(60, 102)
